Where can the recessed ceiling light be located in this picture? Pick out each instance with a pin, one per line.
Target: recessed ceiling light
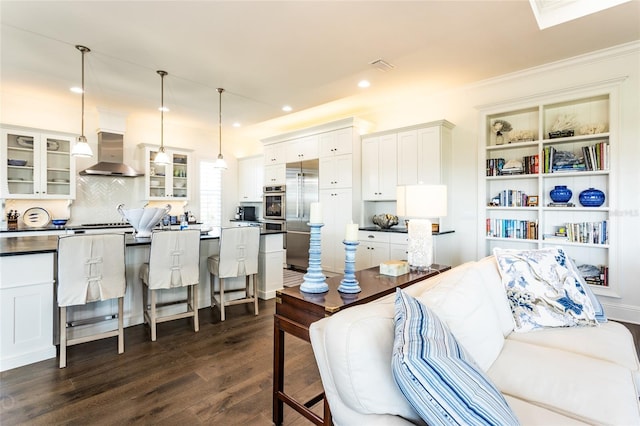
(364, 84)
(76, 90)
(163, 109)
(287, 108)
(236, 124)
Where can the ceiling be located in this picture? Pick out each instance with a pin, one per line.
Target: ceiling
(267, 54)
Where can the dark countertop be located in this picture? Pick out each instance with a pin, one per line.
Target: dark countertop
(378, 229)
(13, 246)
(398, 230)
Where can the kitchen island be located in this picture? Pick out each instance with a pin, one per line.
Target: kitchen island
(27, 292)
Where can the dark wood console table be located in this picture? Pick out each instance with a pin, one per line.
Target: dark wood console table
(295, 311)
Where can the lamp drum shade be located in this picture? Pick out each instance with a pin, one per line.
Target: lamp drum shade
(421, 201)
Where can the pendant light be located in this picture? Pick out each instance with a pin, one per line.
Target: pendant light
(81, 147)
(220, 163)
(161, 158)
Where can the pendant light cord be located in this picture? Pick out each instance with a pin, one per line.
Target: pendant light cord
(84, 50)
(162, 74)
(220, 90)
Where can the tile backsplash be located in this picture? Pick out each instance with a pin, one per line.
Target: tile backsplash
(98, 196)
(96, 200)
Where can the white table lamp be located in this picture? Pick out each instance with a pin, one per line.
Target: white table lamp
(420, 203)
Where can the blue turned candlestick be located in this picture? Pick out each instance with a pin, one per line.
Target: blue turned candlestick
(314, 279)
(349, 283)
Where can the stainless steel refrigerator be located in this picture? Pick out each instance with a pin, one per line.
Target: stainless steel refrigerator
(302, 190)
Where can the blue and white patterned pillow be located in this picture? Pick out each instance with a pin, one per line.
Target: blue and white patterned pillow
(543, 290)
(437, 376)
(601, 316)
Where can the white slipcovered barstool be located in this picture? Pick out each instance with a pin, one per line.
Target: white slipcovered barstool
(238, 257)
(174, 261)
(91, 268)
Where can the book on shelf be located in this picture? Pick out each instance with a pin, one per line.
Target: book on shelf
(494, 166)
(531, 164)
(510, 198)
(512, 228)
(596, 157)
(588, 232)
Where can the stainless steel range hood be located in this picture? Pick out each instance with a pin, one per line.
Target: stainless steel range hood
(110, 156)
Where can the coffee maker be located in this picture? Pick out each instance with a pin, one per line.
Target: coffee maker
(245, 213)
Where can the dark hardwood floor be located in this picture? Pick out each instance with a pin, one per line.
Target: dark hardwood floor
(221, 375)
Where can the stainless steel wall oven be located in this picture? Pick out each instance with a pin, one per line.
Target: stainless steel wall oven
(274, 202)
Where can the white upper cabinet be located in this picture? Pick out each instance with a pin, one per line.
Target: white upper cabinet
(336, 172)
(337, 142)
(275, 174)
(169, 182)
(379, 167)
(37, 165)
(306, 148)
(250, 179)
(425, 154)
(274, 154)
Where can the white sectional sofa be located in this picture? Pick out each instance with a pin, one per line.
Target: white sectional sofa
(554, 376)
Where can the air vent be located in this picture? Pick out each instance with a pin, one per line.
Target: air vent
(382, 65)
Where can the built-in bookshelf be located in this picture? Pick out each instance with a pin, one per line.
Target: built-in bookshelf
(532, 146)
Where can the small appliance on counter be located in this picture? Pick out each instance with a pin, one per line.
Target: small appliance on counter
(247, 213)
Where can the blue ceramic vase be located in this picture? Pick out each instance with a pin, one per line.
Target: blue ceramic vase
(560, 194)
(592, 197)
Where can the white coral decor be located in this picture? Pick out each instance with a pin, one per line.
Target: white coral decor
(592, 129)
(564, 122)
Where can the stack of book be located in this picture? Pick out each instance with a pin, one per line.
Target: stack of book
(594, 157)
(595, 275)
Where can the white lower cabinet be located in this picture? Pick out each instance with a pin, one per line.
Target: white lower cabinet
(336, 213)
(270, 266)
(26, 302)
(398, 246)
(377, 247)
(371, 254)
(373, 249)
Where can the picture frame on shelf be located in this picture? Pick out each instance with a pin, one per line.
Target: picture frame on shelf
(532, 201)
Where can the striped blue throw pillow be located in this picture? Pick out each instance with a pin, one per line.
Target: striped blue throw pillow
(436, 375)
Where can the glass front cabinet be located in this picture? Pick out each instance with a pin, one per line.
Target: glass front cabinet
(171, 181)
(37, 165)
(548, 179)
